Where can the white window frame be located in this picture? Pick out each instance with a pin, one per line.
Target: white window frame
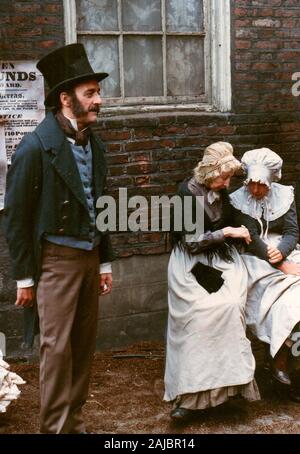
(217, 51)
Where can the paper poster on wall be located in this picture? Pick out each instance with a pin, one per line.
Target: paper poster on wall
(21, 108)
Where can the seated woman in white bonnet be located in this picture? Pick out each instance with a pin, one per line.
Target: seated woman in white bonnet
(268, 210)
(209, 357)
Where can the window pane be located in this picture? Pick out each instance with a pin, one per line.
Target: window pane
(184, 15)
(143, 69)
(141, 15)
(185, 66)
(97, 15)
(103, 56)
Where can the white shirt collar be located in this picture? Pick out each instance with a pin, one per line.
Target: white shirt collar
(212, 196)
(73, 122)
(274, 205)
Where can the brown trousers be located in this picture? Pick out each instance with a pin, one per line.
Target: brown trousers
(67, 298)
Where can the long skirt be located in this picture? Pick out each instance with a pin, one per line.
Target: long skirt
(208, 352)
(273, 301)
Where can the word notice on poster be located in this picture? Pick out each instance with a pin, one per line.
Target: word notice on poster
(21, 108)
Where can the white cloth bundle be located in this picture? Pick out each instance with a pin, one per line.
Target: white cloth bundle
(9, 390)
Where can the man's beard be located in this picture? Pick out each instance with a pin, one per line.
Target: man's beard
(77, 108)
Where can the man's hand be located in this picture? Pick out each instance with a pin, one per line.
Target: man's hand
(105, 283)
(25, 297)
(290, 268)
(274, 255)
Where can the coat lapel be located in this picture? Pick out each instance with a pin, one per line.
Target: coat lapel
(55, 142)
(66, 167)
(99, 165)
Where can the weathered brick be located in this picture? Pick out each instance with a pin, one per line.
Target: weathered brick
(117, 159)
(155, 237)
(246, 33)
(121, 181)
(29, 33)
(243, 23)
(117, 170)
(52, 8)
(171, 165)
(226, 130)
(262, 66)
(167, 143)
(48, 44)
(265, 12)
(139, 181)
(243, 44)
(136, 157)
(241, 12)
(143, 133)
(47, 20)
(188, 141)
(113, 147)
(266, 23)
(158, 155)
(290, 3)
(170, 188)
(22, 7)
(140, 146)
(141, 168)
(115, 135)
(267, 44)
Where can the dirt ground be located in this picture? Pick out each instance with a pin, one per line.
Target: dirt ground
(126, 398)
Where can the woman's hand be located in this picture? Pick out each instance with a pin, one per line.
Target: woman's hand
(238, 232)
(289, 268)
(274, 255)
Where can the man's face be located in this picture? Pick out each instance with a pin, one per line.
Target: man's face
(86, 102)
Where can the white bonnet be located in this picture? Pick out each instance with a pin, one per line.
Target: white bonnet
(262, 166)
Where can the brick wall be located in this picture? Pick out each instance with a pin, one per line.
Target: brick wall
(266, 45)
(30, 29)
(151, 154)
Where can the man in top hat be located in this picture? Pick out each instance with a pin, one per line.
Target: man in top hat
(57, 174)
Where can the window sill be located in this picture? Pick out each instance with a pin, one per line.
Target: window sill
(114, 111)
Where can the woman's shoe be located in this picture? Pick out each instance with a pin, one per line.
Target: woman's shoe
(281, 376)
(280, 365)
(267, 364)
(181, 414)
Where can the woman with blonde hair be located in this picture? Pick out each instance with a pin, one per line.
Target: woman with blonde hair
(209, 357)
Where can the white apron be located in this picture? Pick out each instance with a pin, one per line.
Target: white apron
(207, 347)
(273, 302)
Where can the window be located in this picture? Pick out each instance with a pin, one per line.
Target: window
(161, 52)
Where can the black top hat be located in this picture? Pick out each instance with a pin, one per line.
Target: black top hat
(65, 67)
